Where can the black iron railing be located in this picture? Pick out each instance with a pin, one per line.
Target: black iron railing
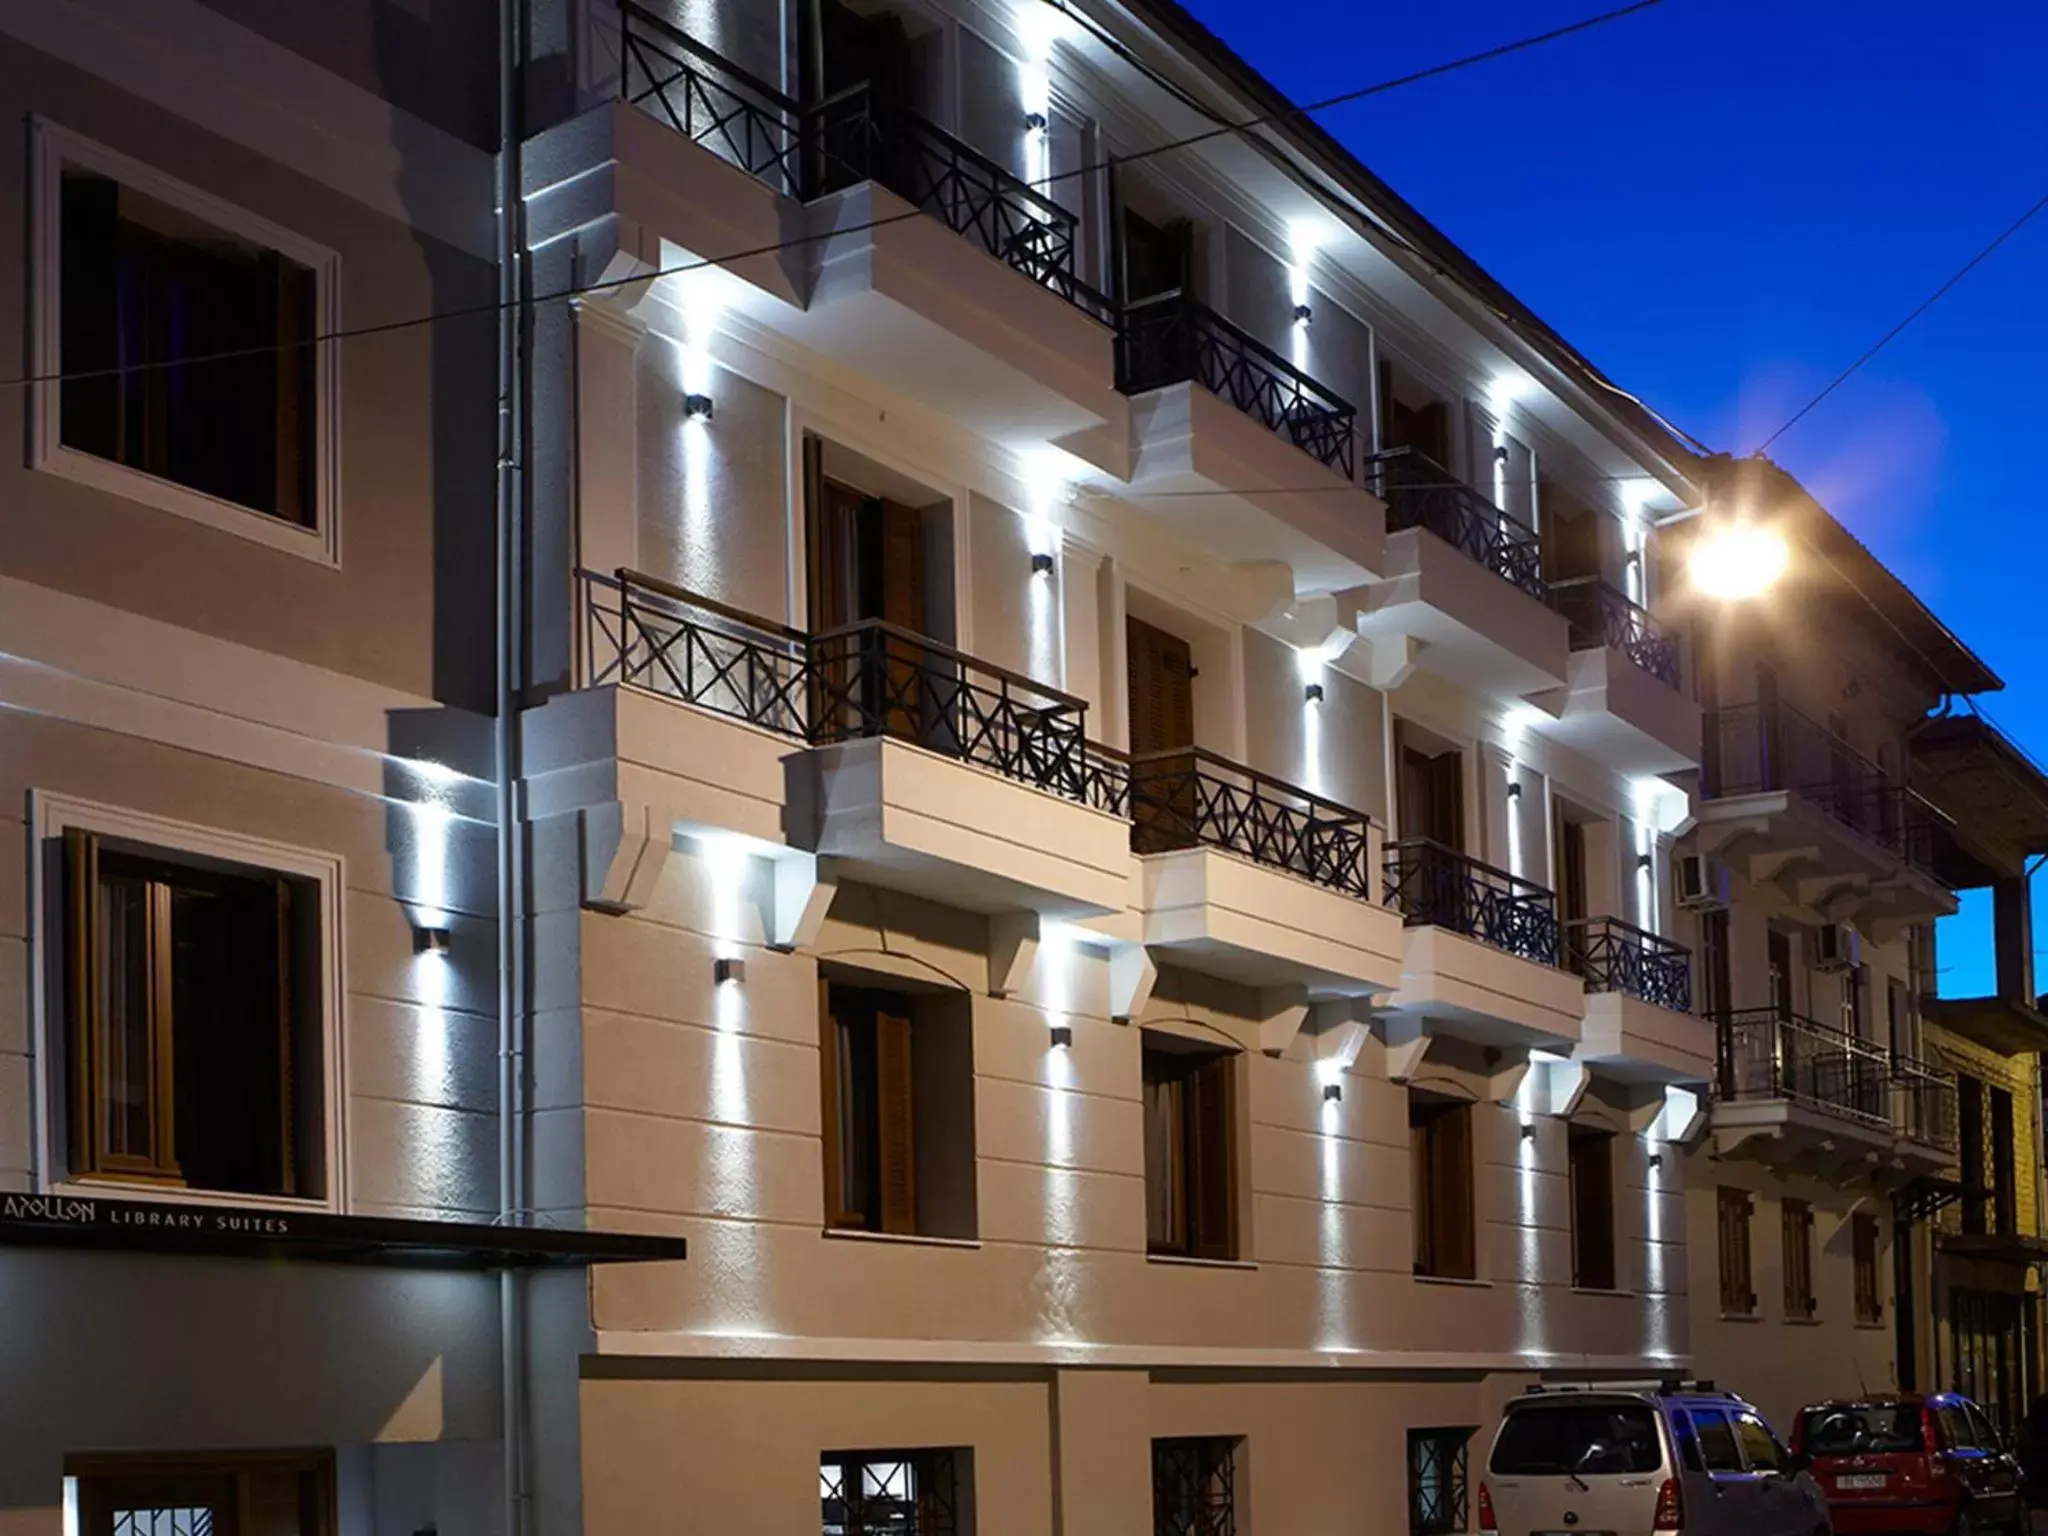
(1421, 493)
(858, 136)
(1768, 1054)
(1613, 956)
(1432, 885)
(1106, 779)
(868, 679)
(1190, 798)
(1756, 748)
(1600, 615)
(1924, 1102)
(1172, 338)
(710, 100)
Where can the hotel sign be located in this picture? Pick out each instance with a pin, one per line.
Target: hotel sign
(228, 1231)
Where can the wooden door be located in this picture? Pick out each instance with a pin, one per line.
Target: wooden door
(896, 1141)
(1158, 258)
(1570, 839)
(1160, 672)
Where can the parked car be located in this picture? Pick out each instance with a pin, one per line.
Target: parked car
(1644, 1460)
(1902, 1462)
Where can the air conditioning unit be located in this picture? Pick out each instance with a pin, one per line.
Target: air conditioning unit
(1701, 883)
(1836, 947)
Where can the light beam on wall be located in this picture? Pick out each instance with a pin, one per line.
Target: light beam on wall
(1058, 1280)
(1303, 239)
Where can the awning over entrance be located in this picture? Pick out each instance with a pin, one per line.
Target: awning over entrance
(223, 1231)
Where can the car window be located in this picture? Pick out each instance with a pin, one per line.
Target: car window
(1981, 1429)
(1851, 1429)
(1760, 1447)
(1955, 1428)
(1585, 1438)
(1717, 1440)
(1688, 1441)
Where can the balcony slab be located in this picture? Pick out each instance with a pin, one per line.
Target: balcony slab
(896, 815)
(1619, 715)
(1228, 916)
(1471, 990)
(1441, 611)
(1637, 1042)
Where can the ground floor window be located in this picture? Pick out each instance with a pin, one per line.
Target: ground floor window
(1436, 1481)
(1991, 1336)
(283, 1493)
(1194, 1487)
(893, 1493)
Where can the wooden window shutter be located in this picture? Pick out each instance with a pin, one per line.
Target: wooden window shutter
(829, 1114)
(902, 566)
(295, 375)
(1454, 1190)
(898, 1173)
(1421, 1196)
(1212, 1191)
(81, 992)
(287, 1129)
(1159, 668)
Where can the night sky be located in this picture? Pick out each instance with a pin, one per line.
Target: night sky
(1723, 203)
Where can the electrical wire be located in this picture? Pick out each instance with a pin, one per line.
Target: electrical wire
(1893, 334)
(1110, 162)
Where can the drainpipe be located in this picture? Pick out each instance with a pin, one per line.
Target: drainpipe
(513, 353)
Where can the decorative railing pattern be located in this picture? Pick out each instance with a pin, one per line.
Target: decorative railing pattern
(1610, 955)
(1769, 1054)
(1924, 1102)
(1172, 338)
(1190, 798)
(1421, 493)
(859, 137)
(710, 100)
(1432, 885)
(868, 679)
(1756, 748)
(1600, 615)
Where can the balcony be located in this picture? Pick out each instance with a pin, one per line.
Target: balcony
(1794, 1093)
(698, 157)
(1239, 449)
(1481, 950)
(1625, 705)
(1639, 1024)
(1443, 602)
(1924, 1113)
(1245, 876)
(1800, 812)
(920, 767)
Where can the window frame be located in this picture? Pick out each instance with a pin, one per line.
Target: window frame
(1216, 1460)
(1224, 1066)
(50, 817)
(1430, 1220)
(1725, 1200)
(1451, 1446)
(54, 148)
(954, 1464)
(1795, 1232)
(159, 1467)
(1586, 1144)
(1864, 1259)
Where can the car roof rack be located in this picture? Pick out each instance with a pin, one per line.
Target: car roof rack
(1669, 1386)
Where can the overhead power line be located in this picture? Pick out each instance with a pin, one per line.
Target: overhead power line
(473, 311)
(1918, 310)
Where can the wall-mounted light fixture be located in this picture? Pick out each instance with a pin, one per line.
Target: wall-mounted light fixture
(696, 407)
(1035, 121)
(1656, 1159)
(1500, 453)
(1332, 1092)
(1528, 1130)
(1303, 314)
(1514, 789)
(1645, 860)
(1312, 693)
(1062, 1036)
(728, 971)
(431, 940)
(1041, 563)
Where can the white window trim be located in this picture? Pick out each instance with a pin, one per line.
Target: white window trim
(55, 148)
(50, 816)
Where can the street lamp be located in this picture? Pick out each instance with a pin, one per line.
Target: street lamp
(1736, 560)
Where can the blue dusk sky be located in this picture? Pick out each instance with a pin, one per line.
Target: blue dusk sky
(1723, 203)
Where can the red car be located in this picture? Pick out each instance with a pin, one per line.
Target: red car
(1931, 1465)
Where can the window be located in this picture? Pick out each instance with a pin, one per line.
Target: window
(1436, 1481)
(1863, 1248)
(1738, 1299)
(1865, 1429)
(188, 335)
(1591, 1156)
(1760, 1447)
(1954, 1427)
(283, 1493)
(1194, 1487)
(2004, 1187)
(1899, 1017)
(1795, 1220)
(893, 1493)
(1551, 1438)
(193, 1040)
(1713, 967)
(897, 1085)
(1190, 1148)
(1854, 982)
(1440, 1161)
(1975, 1210)
(1717, 1440)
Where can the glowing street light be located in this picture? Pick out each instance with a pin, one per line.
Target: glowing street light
(1737, 560)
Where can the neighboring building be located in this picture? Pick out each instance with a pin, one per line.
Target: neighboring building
(1818, 872)
(1038, 669)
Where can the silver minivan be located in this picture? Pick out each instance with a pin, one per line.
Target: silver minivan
(1626, 1459)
